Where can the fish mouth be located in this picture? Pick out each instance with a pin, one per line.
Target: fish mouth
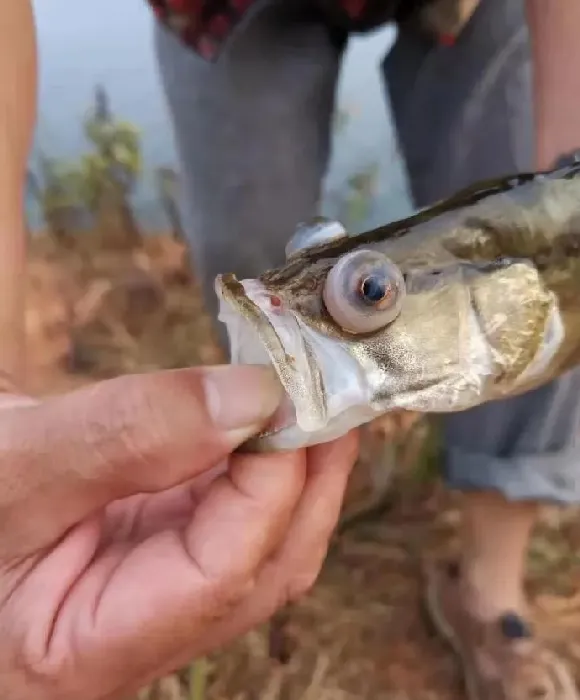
(326, 393)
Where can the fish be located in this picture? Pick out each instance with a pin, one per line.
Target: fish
(472, 299)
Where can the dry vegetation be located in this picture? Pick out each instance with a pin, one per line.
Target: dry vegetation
(360, 634)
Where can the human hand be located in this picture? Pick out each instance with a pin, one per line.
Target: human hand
(126, 550)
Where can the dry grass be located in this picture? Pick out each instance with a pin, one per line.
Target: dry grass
(360, 634)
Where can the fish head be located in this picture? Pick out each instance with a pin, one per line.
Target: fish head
(359, 326)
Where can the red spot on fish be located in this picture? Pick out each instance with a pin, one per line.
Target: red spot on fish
(275, 301)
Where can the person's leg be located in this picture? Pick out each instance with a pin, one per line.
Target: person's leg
(464, 113)
(253, 136)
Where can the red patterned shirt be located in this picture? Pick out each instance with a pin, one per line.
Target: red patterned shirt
(204, 25)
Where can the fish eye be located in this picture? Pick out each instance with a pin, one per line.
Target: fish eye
(314, 232)
(375, 288)
(364, 291)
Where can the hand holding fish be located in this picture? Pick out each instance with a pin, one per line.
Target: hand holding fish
(132, 541)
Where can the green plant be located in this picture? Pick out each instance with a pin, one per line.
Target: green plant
(57, 187)
(360, 193)
(167, 186)
(341, 119)
(352, 202)
(97, 189)
(197, 679)
(110, 172)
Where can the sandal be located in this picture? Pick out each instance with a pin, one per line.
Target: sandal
(501, 659)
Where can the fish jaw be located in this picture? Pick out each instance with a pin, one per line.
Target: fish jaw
(327, 392)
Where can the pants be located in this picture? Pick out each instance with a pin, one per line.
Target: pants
(253, 136)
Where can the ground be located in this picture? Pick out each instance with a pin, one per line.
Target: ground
(361, 633)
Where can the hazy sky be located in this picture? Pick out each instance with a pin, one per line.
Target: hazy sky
(84, 43)
(109, 41)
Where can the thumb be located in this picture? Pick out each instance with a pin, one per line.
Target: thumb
(69, 456)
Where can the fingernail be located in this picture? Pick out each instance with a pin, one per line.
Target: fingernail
(242, 397)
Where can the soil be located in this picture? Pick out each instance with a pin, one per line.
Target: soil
(361, 633)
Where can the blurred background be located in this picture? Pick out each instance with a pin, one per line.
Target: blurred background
(117, 54)
(111, 291)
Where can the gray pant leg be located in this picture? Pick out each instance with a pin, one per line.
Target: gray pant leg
(462, 114)
(253, 137)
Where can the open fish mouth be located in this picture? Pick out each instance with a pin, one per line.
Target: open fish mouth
(327, 393)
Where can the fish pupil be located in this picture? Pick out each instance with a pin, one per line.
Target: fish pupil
(373, 289)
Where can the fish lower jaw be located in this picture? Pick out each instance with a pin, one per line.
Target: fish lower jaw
(264, 334)
(292, 436)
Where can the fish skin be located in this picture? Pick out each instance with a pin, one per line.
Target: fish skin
(491, 307)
